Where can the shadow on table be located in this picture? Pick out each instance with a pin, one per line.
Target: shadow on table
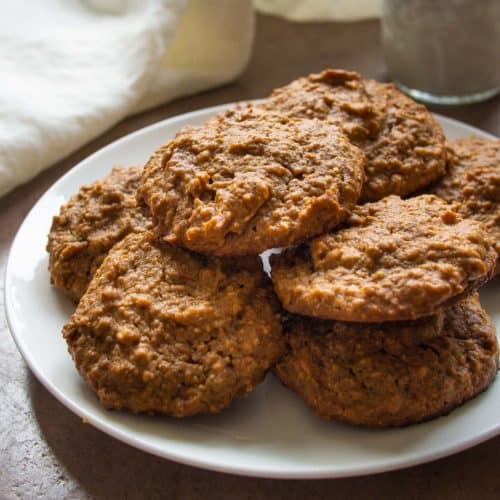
(93, 463)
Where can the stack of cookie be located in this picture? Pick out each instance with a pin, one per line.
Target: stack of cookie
(175, 312)
(396, 334)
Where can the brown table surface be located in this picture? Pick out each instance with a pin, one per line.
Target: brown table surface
(46, 451)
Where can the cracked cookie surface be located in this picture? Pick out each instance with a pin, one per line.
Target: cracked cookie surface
(161, 329)
(409, 153)
(89, 224)
(391, 374)
(337, 96)
(249, 180)
(472, 182)
(392, 260)
(403, 142)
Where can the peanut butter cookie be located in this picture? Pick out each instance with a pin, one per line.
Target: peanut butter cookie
(393, 260)
(89, 224)
(334, 95)
(162, 329)
(403, 143)
(383, 375)
(472, 182)
(409, 153)
(249, 180)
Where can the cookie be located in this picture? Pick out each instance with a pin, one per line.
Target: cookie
(89, 224)
(393, 260)
(472, 182)
(409, 153)
(404, 144)
(249, 180)
(334, 95)
(384, 375)
(161, 329)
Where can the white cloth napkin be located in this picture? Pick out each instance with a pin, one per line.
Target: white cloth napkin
(70, 69)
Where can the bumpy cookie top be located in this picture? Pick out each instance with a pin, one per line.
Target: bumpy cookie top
(404, 144)
(409, 153)
(393, 260)
(366, 374)
(472, 182)
(89, 224)
(249, 180)
(335, 95)
(161, 329)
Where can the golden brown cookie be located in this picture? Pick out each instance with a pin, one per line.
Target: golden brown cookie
(393, 260)
(162, 329)
(249, 180)
(89, 224)
(409, 153)
(335, 95)
(472, 182)
(384, 375)
(403, 143)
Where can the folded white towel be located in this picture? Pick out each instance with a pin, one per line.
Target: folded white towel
(70, 69)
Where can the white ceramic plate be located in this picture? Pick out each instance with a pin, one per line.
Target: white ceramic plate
(271, 433)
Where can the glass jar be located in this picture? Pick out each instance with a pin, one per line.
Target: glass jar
(443, 51)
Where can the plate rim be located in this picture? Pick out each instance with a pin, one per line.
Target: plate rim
(254, 471)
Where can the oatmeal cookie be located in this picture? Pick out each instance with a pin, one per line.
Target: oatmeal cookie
(249, 180)
(161, 329)
(472, 182)
(391, 374)
(393, 260)
(89, 224)
(334, 95)
(404, 144)
(409, 153)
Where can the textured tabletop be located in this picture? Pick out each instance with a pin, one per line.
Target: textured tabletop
(47, 452)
